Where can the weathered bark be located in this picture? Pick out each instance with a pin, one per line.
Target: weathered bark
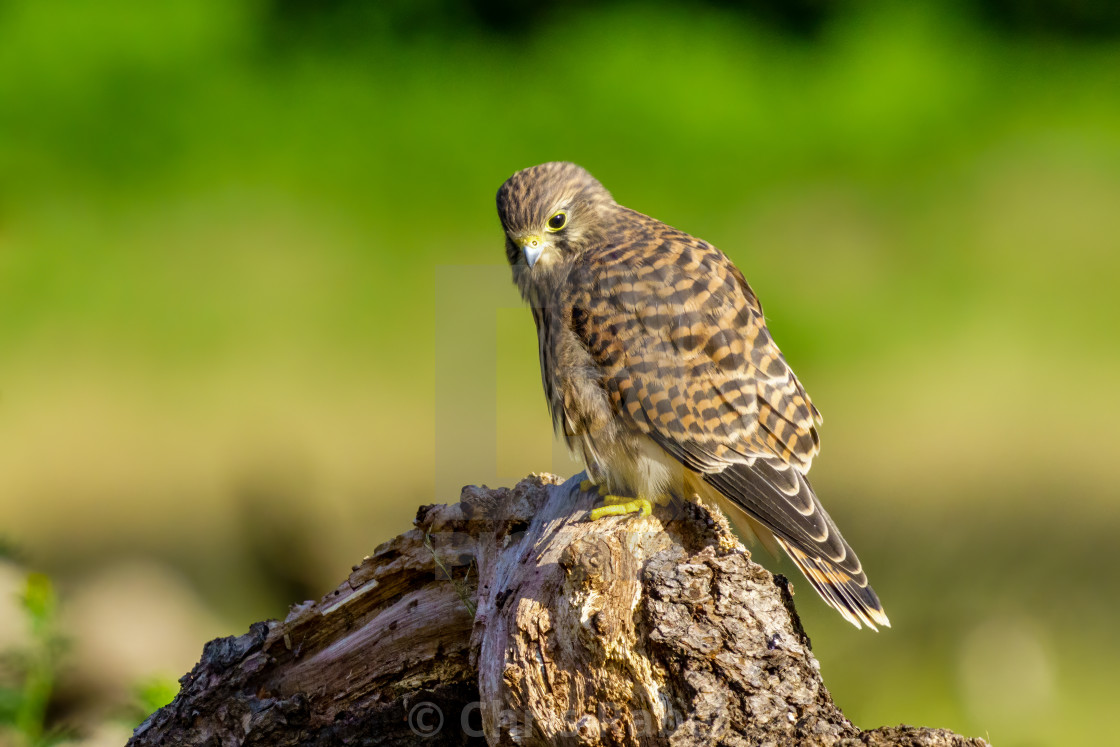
(508, 618)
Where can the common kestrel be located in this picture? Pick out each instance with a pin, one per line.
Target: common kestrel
(662, 377)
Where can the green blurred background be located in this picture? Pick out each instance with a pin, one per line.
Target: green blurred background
(253, 309)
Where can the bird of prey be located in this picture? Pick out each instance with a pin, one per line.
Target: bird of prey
(661, 375)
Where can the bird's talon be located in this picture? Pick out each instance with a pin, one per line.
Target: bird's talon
(587, 486)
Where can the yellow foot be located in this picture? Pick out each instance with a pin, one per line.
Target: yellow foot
(617, 506)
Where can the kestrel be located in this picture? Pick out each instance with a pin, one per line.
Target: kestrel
(662, 377)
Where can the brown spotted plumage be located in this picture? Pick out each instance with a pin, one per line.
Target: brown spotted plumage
(661, 375)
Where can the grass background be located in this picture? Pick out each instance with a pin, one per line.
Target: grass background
(253, 309)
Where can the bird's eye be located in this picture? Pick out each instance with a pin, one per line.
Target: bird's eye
(558, 221)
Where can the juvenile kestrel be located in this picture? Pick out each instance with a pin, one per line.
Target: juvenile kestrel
(661, 375)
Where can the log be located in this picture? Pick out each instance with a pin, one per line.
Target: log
(508, 618)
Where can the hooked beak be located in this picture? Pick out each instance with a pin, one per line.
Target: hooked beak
(531, 247)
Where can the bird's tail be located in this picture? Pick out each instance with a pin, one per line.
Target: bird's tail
(855, 602)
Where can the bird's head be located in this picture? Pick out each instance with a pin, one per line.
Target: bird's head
(551, 213)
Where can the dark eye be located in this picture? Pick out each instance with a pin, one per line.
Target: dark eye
(558, 221)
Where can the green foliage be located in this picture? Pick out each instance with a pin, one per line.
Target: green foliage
(115, 157)
(23, 705)
(153, 694)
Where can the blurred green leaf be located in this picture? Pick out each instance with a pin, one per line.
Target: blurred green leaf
(40, 603)
(10, 699)
(153, 694)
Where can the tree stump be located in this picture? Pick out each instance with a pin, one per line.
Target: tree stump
(510, 619)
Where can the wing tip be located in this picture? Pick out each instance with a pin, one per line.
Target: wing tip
(856, 603)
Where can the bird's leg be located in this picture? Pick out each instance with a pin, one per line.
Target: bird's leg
(615, 505)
